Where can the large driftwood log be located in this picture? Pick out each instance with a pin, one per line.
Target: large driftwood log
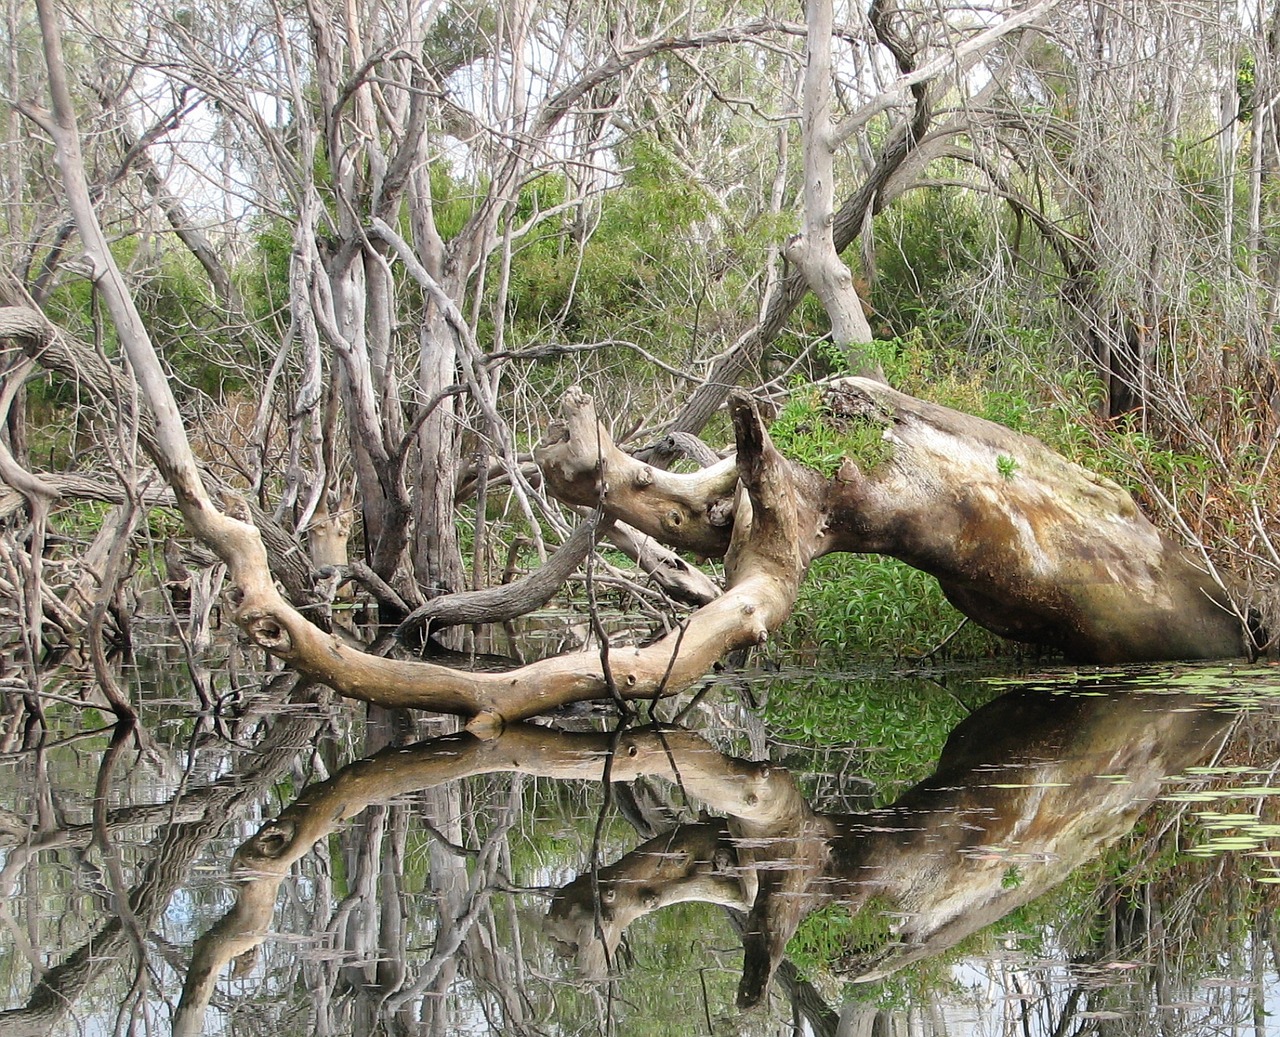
(1024, 542)
(583, 465)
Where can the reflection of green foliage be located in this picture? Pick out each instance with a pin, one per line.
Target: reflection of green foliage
(834, 936)
(894, 729)
(669, 972)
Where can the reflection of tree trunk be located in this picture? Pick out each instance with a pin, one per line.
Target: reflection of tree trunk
(1027, 786)
(442, 809)
(175, 849)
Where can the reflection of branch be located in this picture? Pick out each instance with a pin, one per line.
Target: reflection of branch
(689, 863)
(129, 920)
(1027, 781)
(176, 847)
(748, 790)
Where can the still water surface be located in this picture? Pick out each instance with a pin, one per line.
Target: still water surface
(924, 853)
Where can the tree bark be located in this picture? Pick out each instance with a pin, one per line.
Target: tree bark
(813, 250)
(1023, 541)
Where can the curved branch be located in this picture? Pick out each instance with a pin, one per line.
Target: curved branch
(508, 600)
(583, 466)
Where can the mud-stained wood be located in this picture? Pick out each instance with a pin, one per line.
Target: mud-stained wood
(1023, 541)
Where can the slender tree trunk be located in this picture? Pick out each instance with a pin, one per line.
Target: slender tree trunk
(813, 250)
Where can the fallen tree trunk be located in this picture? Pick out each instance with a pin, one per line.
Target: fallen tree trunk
(1023, 541)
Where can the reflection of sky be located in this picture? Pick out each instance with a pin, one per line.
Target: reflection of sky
(1015, 994)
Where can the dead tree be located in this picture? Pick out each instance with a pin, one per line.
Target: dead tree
(1023, 541)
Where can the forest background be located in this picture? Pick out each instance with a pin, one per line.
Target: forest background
(375, 244)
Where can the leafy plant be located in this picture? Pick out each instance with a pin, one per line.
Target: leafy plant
(834, 936)
(1007, 466)
(805, 432)
(864, 607)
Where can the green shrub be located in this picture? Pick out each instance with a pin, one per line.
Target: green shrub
(855, 608)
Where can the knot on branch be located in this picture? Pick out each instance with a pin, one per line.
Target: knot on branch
(236, 507)
(26, 325)
(270, 843)
(486, 725)
(266, 631)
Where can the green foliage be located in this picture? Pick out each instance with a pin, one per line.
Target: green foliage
(804, 432)
(923, 242)
(1007, 466)
(834, 936)
(855, 608)
(588, 274)
(1246, 84)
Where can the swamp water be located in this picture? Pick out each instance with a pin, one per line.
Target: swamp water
(1065, 852)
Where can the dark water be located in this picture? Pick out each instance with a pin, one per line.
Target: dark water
(918, 853)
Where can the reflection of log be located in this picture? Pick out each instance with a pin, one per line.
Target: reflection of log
(1031, 782)
(688, 863)
(261, 863)
(1026, 790)
(180, 841)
